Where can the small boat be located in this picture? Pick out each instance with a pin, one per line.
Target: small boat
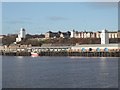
(35, 54)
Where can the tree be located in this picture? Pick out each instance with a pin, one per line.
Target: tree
(7, 40)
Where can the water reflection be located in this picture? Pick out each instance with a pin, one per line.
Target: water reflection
(103, 65)
(59, 72)
(105, 74)
(20, 57)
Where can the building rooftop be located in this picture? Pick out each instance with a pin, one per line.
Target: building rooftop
(98, 45)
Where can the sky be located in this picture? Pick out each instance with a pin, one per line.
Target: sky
(60, 0)
(40, 17)
(0, 18)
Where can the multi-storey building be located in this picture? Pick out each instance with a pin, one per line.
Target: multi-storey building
(85, 34)
(113, 35)
(76, 34)
(98, 34)
(51, 35)
(57, 34)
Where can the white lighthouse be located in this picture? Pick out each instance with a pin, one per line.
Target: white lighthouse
(72, 34)
(21, 35)
(104, 37)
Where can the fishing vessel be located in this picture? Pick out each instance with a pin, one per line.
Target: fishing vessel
(35, 54)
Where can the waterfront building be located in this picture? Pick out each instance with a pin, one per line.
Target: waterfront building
(14, 48)
(95, 47)
(21, 35)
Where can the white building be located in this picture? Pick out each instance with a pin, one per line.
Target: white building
(21, 35)
(72, 34)
(104, 37)
(96, 47)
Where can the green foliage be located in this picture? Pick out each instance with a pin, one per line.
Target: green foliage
(7, 40)
(35, 40)
(32, 42)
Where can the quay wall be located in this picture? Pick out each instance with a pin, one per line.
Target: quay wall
(106, 50)
(65, 53)
(82, 54)
(4, 53)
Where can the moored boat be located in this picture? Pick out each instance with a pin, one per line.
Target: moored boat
(35, 54)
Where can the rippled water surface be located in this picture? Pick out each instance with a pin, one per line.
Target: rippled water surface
(59, 72)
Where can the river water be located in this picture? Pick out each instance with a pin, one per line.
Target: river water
(59, 72)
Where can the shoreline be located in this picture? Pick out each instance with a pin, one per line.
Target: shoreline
(64, 53)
